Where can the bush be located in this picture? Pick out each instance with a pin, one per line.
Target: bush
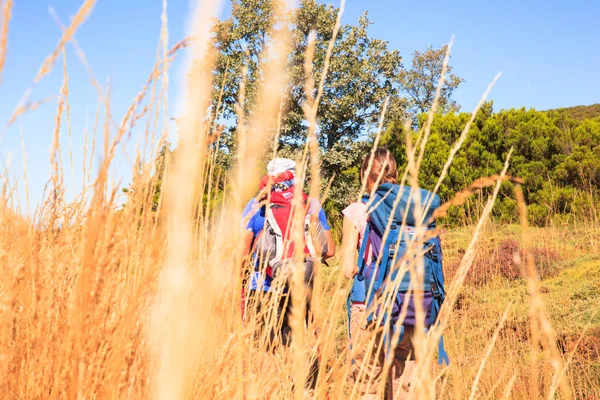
(505, 259)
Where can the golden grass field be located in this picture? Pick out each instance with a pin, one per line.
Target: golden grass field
(103, 301)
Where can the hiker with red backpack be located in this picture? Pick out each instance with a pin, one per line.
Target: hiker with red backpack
(381, 227)
(269, 241)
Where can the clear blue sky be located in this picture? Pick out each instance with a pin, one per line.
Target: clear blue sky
(549, 52)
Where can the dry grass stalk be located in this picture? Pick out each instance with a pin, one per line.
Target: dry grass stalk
(417, 269)
(434, 105)
(461, 197)
(27, 107)
(79, 18)
(25, 180)
(463, 136)
(80, 54)
(311, 110)
(330, 46)
(262, 127)
(488, 352)
(6, 15)
(540, 323)
(509, 387)
(164, 36)
(152, 120)
(177, 341)
(252, 139)
(215, 139)
(456, 285)
(65, 95)
(372, 155)
(93, 149)
(55, 157)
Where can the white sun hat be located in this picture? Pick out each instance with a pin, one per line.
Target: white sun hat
(280, 165)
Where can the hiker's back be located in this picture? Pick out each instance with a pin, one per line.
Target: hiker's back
(276, 246)
(399, 259)
(401, 218)
(407, 211)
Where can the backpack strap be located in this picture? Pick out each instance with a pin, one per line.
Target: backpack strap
(358, 293)
(278, 236)
(437, 288)
(443, 357)
(309, 243)
(388, 249)
(361, 262)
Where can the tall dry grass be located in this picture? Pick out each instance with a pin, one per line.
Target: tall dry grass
(99, 301)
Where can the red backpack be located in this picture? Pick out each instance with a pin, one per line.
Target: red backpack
(275, 244)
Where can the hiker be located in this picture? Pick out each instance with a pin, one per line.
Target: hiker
(374, 272)
(268, 239)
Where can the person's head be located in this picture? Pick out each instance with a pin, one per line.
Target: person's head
(281, 174)
(280, 165)
(383, 169)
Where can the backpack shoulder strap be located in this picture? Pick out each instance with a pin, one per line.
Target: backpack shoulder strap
(361, 260)
(272, 223)
(307, 237)
(361, 263)
(439, 294)
(388, 250)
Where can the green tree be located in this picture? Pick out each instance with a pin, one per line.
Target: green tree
(420, 82)
(362, 72)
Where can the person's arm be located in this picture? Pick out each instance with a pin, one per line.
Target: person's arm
(330, 245)
(248, 239)
(248, 215)
(349, 240)
(322, 219)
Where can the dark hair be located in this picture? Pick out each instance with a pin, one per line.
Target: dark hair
(382, 159)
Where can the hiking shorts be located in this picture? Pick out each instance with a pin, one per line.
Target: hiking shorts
(367, 372)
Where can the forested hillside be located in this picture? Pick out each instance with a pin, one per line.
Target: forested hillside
(556, 155)
(581, 112)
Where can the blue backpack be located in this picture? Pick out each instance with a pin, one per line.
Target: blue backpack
(373, 280)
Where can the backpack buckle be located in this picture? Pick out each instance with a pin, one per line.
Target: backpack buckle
(435, 290)
(432, 253)
(392, 249)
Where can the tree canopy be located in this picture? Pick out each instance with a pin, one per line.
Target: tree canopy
(421, 81)
(363, 71)
(556, 155)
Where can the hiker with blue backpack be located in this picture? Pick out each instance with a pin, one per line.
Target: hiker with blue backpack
(269, 241)
(381, 228)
